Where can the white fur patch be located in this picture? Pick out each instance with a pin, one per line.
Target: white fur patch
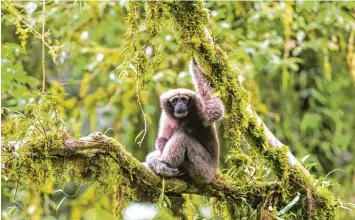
(180, 115)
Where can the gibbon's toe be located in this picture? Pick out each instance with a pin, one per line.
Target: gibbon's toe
(164, 170)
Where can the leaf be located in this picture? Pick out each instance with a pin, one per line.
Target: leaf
(53, 51)
(318, 96)
(149, 119)
(12, 211)
(138, 136)
(310, 120)
(305, 158)
(289, 206)
(29, 107)
(67, 177)
(344, 207)
(132, 68)
(326, 176)
(167, 200)
(311, 165)
(60, 203)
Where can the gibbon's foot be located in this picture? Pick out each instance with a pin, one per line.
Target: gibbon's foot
(165, 170)
(155, 163)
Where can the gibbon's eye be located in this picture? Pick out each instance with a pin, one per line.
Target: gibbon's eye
(174, 101)
(184, 100)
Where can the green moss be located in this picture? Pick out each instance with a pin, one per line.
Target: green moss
(220, 208)
(321, 203)
(279, 158)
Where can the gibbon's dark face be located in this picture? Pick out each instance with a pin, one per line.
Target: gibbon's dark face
(180, 105)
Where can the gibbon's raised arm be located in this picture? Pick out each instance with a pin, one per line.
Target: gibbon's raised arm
(210, 108)
(201, 84)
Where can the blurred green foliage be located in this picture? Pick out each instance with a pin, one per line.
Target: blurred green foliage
(297, 58)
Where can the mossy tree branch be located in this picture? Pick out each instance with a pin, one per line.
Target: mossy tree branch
(86, 159)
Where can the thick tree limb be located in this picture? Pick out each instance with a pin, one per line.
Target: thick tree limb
(97, 143)
(276, 143)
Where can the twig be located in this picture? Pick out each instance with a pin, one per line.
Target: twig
(43, 47)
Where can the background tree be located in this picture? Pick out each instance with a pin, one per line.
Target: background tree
(297, 59)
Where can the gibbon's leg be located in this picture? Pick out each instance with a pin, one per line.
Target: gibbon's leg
(160, 143)
(199, 164)
(174, 150)
(154, 162)
(173, 155)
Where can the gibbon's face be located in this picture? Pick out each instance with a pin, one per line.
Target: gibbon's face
(178, 102)
(180, 105)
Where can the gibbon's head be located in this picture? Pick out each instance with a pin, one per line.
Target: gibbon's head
(178, 102)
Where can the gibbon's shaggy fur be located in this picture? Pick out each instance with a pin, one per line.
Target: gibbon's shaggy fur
(187, 140)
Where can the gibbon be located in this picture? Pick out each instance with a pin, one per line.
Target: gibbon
(187, 140)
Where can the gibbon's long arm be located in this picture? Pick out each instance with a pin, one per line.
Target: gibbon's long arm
(210, 108)
(165, 132)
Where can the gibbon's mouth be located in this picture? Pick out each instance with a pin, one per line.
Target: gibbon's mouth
(180, 115)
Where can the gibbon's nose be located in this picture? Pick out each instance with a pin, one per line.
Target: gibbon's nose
(180, 109)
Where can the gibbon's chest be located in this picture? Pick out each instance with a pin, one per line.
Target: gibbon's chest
(206, 136)
(199, 131)
(190, 125)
